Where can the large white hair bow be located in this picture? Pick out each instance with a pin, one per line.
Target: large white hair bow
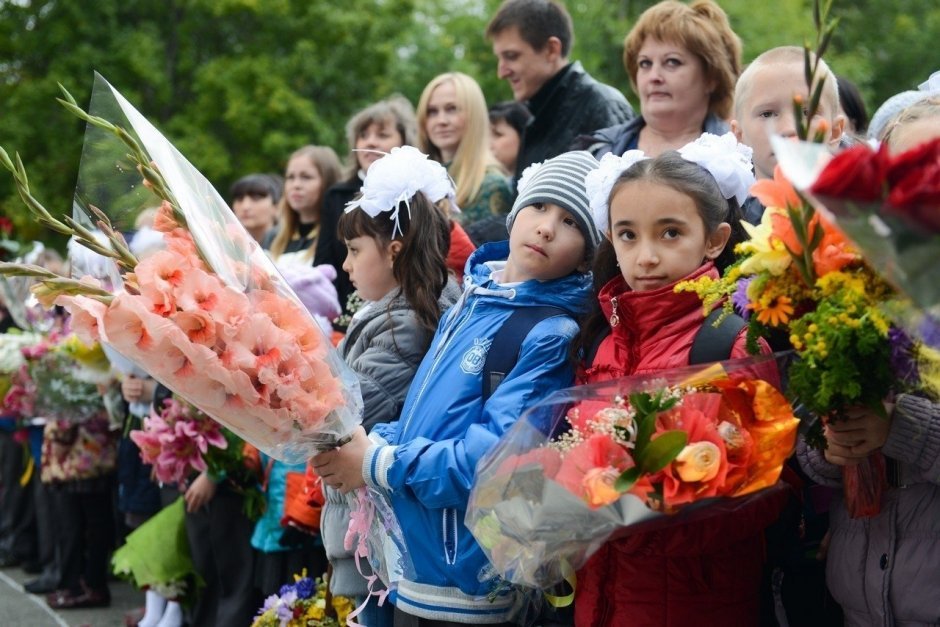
(726, 160)
(398, 176)
(598, 183)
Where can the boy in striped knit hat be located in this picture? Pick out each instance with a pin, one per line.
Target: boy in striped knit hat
(425, 461)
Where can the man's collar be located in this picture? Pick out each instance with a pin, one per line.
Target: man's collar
(544, 94)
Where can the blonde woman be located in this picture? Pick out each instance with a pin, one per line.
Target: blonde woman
(311, 170)
(454, 129)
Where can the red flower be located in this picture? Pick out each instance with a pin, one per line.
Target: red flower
(914, 177)
(855, 174)
(6, 225)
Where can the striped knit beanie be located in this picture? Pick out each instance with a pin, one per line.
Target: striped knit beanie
(560, 181)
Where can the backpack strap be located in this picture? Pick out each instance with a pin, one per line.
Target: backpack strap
(503, 353)
(710, 344)
(713, 343)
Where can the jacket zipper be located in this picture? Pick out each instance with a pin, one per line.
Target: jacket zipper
(449, 530)
(439, 353)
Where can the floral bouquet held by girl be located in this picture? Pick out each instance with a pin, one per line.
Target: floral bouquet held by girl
(209, 316)
(604, 460)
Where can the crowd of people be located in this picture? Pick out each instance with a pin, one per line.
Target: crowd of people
(414, 299)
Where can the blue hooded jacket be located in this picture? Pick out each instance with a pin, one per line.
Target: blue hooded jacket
(427, 459)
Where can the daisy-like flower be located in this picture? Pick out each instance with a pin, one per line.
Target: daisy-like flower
(775, 313)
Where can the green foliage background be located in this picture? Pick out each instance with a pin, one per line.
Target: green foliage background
(237, 85)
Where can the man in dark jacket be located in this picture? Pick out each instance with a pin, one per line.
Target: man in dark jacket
(532, 40)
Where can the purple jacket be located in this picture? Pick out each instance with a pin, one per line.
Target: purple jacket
(885, 570)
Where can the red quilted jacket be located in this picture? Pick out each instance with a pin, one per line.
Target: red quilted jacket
(704, 567)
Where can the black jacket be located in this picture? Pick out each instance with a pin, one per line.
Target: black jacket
(571, 103)
(330, 248)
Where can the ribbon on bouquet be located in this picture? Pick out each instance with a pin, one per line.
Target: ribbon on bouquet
(360, 522)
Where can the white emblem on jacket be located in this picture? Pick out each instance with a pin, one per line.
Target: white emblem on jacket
(475, 357)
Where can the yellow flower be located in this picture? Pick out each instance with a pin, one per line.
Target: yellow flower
(698, 462)
(776, 313)
(767, 251)
(599, 486)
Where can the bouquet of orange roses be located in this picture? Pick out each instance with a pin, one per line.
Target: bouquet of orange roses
(596, 461)
(208, 316)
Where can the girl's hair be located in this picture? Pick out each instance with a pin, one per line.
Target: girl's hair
(394, 111)
(670, 170)
(703, 29)
(927, 107)
(473, 155)
(257, 186)
(327, 164)
(420, 268)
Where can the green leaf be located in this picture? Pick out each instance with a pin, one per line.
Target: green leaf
(660, 452)
(626, 479)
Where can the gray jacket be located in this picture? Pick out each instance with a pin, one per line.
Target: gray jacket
(383, 346)
(885, 570)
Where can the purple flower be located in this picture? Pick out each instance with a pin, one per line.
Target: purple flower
(285, 589)
(305, 588)
(929, 331)
(902, 359)
(269, 603)
(740, 300)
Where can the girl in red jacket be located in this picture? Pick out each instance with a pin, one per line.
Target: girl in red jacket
(667, 219)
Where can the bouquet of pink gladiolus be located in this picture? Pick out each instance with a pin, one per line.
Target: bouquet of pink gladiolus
(208, 316)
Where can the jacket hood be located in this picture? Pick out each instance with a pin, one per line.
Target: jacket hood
(570, 293)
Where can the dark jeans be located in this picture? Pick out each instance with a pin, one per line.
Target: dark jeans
(220, 545)
(86, 533)
(17, 509)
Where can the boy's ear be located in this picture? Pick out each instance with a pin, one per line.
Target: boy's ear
(737, 130)
(716, 242)
(838, 129)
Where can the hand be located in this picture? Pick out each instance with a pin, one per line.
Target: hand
(199, 493)
(341, 468)
(853, 438)
(132, 388)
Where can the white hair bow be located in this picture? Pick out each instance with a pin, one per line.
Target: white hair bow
(598, 183)
(932, 83)
(728, 161)
(398, 176)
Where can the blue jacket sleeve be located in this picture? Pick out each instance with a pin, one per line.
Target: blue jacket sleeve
(440, 474)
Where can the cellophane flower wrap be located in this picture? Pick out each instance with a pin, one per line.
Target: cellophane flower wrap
(59, 378)
(887, 204)
(208, 316)
(601, 460)
(799, 277)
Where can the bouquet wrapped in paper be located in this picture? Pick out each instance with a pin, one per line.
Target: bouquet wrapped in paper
(208, 316)
(600, 460)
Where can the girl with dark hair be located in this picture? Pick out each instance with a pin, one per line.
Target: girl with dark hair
(396, 259)
(254, 202)
(667, 220)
